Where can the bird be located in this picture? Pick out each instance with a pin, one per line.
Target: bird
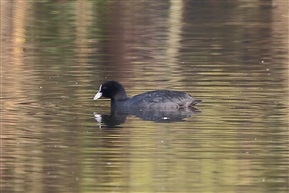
(157, 99)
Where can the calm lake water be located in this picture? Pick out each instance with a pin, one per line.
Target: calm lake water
(231, 54)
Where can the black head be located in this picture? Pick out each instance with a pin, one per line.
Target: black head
(111, 89)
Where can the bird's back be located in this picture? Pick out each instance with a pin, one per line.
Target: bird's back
(162, 99)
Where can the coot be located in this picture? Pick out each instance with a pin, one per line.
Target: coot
(158, 99)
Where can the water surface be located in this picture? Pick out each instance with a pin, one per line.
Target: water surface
(232, 55)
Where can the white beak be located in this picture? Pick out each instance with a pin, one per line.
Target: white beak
(98, 94)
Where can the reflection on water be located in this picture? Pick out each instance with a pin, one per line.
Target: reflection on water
(118, 116)
(231, 54)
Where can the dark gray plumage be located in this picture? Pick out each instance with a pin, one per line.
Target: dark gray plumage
(158, 99)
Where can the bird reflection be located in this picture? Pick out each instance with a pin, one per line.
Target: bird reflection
(118, 116)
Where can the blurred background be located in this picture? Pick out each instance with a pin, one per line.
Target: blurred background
(231, 54)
